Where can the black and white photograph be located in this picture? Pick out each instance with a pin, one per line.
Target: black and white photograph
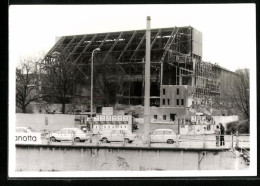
(165, 90)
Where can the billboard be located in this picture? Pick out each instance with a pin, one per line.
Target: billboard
(27, 138)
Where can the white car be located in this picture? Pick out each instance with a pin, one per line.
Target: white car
(117, 136)
(70, 134)
(23, 129)
(163, 136)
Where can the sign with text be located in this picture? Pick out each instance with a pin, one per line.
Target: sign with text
(102, 118)
(114, 118)
(119, 118)
(28, 138)
(108, 118)
(96, 118)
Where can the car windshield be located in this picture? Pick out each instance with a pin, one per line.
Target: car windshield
(24, 129)
(167, 132)
(126, 131)
(79, 131)
(29, 129)
(158, 132)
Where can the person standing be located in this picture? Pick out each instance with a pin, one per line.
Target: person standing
(222, 133)
(217, 133)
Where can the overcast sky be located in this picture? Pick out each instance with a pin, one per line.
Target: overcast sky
(228, 30)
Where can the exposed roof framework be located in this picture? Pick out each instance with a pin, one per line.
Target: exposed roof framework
(175, 60)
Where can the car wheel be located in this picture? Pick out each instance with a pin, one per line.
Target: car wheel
(76, 140)
(104, 140)
(53, 139)
(170, 141)
(127, 140)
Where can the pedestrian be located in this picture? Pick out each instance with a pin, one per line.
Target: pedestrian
(222, 133)
(217, 133)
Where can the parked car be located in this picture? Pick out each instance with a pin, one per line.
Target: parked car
(23, 129)
(163, 136)
(77, 112)
(117, 136)
(84, 112)
(70, 134)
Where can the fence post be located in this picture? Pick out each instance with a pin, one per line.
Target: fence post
(204, 141)
(237, 138)
(73, 139)
(98, 138)
(49, 138)
(123, 138)
(232, 144)
(149, 144)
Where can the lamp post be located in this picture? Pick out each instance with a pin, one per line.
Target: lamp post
(91, 96)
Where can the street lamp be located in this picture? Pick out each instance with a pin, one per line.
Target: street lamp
(91, 97)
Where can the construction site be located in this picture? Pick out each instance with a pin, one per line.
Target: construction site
(178, 74)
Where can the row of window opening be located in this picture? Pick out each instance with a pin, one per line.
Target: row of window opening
(178, 101)
(177, 91)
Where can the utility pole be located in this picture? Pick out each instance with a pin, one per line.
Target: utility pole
(147, 83)
(91, 92)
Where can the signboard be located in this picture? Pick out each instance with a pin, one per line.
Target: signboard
(96, 118)
(108, 111)
(102, 118)
(28, 138)
(108, 118)
(114, 118)
(119, 118)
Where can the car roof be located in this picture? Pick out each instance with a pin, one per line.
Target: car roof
(121, 129)
(162, 129)
(23, 127)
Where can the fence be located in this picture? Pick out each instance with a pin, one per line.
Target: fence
(234, 141)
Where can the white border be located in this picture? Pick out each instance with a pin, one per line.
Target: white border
(11, 151)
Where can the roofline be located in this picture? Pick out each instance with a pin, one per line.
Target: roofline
(127, 31)
(222, 68)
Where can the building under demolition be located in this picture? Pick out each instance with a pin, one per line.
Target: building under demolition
(179, 76)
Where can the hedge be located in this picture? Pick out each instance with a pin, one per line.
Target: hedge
(241, 126)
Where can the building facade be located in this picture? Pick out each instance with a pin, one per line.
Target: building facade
(179, 76)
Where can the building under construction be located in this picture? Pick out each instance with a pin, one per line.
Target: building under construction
(176, 61)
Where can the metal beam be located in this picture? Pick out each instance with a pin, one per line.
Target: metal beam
(102, 43)
(139, 45)
(71, 41)
(54, 47)
(155, 38)
(113, 46)
(57, 43)
(168, 44)
(79, 43)
(127, 45)
(94, 37)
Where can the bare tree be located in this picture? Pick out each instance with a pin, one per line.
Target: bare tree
(237, 95)
(59, 81)
(241, 92)
(26, 87)
(103, 84)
